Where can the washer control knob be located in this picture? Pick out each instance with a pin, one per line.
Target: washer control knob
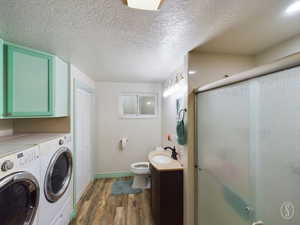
(61, 142)
(7, 165)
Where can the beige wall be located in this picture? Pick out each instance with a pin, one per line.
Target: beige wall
(6, 127)
(278, 51)
(143, 134)
(210, 67)
(42, 125)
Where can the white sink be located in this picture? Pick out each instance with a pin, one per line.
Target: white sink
(161, 159)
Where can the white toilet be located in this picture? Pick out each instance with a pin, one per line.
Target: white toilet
(141, 172)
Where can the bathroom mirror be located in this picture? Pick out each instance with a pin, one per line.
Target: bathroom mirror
(138, 105)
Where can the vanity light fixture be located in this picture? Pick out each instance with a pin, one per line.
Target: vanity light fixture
(144, 4)
(174, 87)
(171, 90)
(294, 7)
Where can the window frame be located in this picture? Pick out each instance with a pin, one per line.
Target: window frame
(138, 115)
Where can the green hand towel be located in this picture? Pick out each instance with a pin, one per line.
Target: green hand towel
(181, 134)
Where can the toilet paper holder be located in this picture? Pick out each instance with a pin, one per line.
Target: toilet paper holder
(123, 143)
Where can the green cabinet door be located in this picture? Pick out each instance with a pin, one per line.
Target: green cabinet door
(2, 85)
(29, 83)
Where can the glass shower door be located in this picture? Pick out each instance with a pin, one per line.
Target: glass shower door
(276, 154)
(224, 184)
(249, 152)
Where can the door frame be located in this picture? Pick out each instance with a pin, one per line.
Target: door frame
(79, 85)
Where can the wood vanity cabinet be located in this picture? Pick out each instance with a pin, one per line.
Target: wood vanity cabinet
(167, 196)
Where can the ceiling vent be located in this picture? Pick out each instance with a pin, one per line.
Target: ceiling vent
(144, 4)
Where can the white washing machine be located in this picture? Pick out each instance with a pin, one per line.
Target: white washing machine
(56, 181)
(19, 187)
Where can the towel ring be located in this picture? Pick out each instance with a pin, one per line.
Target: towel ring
(181, 114)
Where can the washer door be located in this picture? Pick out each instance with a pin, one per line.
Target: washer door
(19, 199)
(58, 175)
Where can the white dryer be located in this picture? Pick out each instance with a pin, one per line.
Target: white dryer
(19, 187)
(57, 182)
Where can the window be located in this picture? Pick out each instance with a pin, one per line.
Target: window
(138, 105)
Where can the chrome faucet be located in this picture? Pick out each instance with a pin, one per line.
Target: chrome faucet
(174, 153)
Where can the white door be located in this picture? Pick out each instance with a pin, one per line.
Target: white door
(83, 140)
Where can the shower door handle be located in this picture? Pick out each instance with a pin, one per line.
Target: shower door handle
(258, 223)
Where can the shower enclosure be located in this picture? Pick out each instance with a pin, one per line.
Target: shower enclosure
(248, 143)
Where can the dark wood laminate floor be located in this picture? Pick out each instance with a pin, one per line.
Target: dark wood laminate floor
(98, 207)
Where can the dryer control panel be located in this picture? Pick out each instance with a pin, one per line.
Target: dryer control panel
(26, 157)
(18, 161)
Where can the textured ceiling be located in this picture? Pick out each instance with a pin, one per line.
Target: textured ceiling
(257, 34)
(111, 42)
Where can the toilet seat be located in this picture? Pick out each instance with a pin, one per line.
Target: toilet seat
(140, 168)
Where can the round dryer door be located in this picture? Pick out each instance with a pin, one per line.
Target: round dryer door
(19, 199)
(58, 175)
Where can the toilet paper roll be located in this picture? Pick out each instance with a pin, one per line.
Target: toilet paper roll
(123, 142)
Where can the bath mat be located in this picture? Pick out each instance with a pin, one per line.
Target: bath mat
(123, 187)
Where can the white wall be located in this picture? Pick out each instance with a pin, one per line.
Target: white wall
(143, 134)
(210, 67)
(186, 153)
(169, 118)
(80, 76)
(278, 51)
(169, 114)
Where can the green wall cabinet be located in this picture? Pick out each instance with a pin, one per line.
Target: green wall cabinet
(2, 80)
(34, 84)
(29, 83)
(61, 88)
